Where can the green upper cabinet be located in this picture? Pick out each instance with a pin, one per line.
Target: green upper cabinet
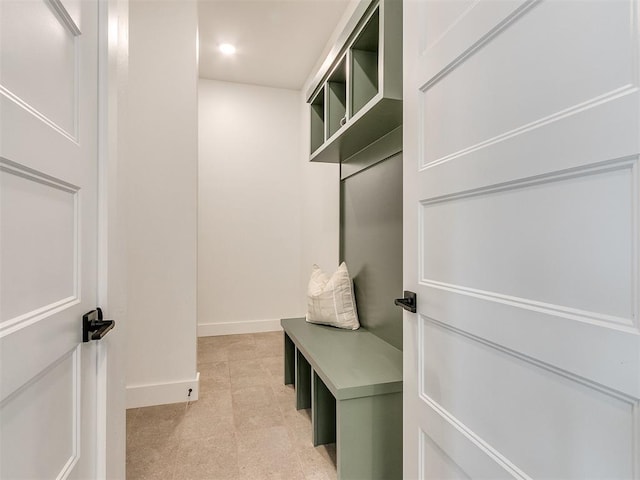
(359, 98)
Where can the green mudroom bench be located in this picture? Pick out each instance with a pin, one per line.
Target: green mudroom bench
(352, 381)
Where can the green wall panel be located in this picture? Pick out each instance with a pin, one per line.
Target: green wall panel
(371, 244)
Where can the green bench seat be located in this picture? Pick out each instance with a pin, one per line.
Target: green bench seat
(352, 381)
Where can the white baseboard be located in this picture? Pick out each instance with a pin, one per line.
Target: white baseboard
(162, 393)
(235, 328)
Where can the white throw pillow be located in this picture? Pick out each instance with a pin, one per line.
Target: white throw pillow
(330, 299)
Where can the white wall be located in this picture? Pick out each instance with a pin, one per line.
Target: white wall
(161, 202)
(266, 214)
(320, 204)
(250, 208)
(321, 192)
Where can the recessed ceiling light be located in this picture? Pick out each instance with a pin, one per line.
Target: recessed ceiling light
(227, 49)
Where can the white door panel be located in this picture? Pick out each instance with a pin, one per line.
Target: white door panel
(39, 61)
(533, 414)
(48, 237)
(40, 219)
(507, 257)
(44, 412)
(600, 134)
(573, 70)
(521, 239)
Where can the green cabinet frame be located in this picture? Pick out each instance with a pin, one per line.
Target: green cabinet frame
(361, 91)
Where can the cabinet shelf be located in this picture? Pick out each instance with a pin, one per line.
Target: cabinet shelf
(362, 89)
(378, 118)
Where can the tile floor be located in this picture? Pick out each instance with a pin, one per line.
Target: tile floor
(243, 427)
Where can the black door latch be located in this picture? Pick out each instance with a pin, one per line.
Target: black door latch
(94, 327)
(409, 301)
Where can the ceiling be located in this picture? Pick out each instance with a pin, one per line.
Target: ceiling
(278, 42)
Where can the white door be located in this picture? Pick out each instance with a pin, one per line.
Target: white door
(48, 224)
(521, 239)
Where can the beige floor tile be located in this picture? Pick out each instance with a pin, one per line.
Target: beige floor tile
(207, 341)
(213, 385)
(253, 396)
(257, 417)
(213, 457)
(136, 443)
(211, 388)
(227, 340)
(320, 474)
(130, 417)
(160, 412)
(285, 395)
(132, 413)
(246, 368)
(246, 339)
(160, 420)
(270, 344)
(152, 459)
(212, 354)
(296, 418)
(218, 400)
(246, 382)
(300, 437)
(319, 461)
(330, 450)
(222, 348)
(242, 352)
(214, 370)
(268, 336)
(267, 454)
(264, 442)
(270, 350)
(202, 425)
(247, 373)
(243, 427)
(274, 366)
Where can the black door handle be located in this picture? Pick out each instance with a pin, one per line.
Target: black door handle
(94, 327)
(409, 302)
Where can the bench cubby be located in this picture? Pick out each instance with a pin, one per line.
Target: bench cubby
(352, 381)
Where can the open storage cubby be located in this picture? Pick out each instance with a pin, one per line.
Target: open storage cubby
(317, 121)
(337, 98)
(362, 86)
(364, 64)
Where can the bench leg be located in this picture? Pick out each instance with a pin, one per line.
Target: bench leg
(323, 413)
(303, 382)
(370, 437)
(289, 361)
